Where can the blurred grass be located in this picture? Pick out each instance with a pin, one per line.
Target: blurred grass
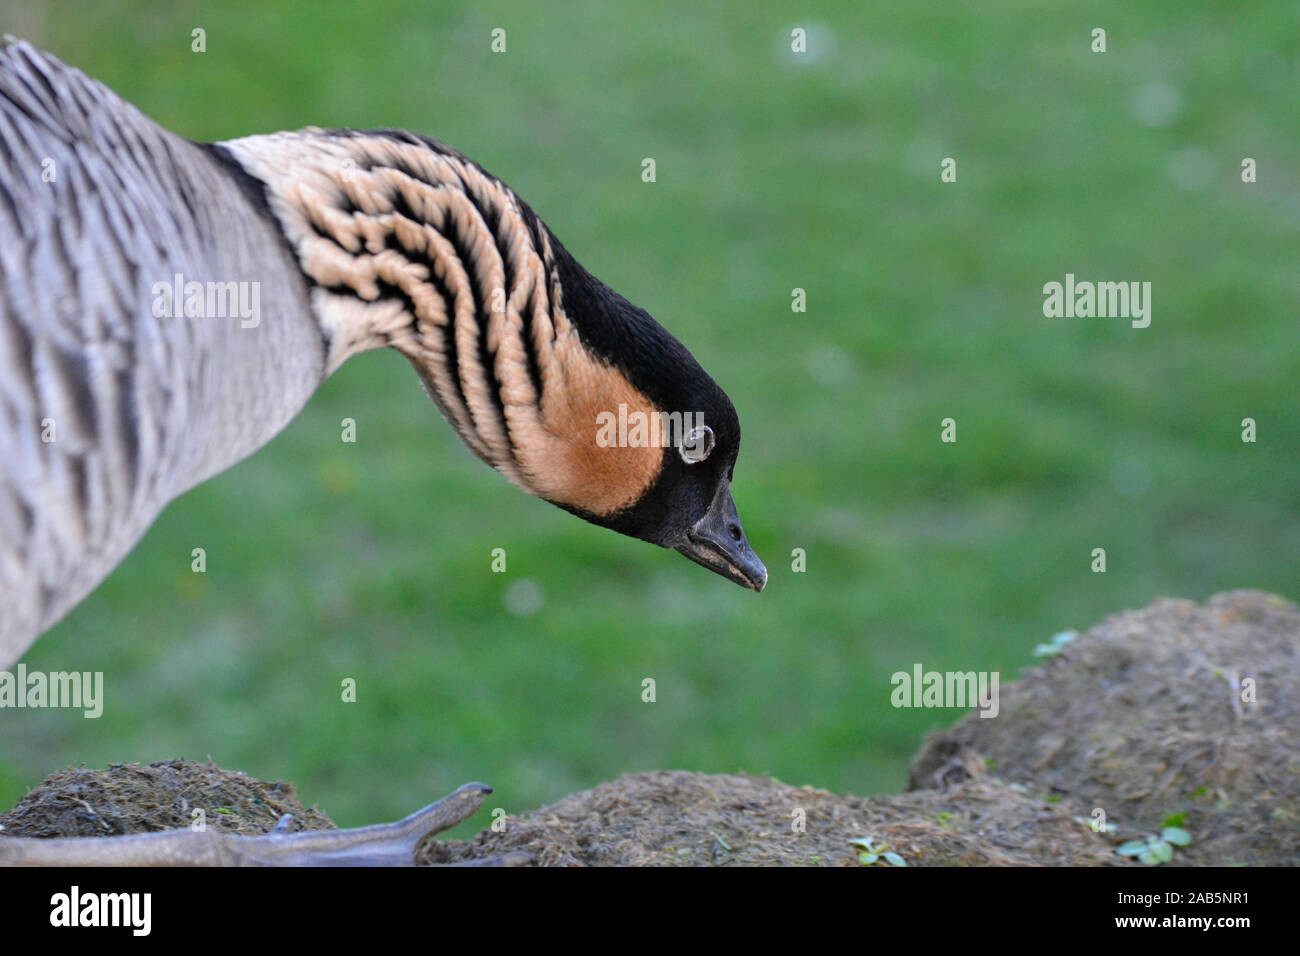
(371, 561)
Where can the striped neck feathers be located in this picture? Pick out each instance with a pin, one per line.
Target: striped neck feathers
(408, 244)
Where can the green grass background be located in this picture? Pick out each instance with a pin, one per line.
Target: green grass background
(371, 561)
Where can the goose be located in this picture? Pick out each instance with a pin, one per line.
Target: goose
(168, 306)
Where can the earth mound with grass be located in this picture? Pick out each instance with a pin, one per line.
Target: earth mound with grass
(129, 798)
(1175, 715)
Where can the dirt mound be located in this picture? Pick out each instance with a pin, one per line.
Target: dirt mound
(1173, 711)
(129, 798)
(1149, 715)
(689, 819)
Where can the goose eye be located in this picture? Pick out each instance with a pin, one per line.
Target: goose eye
(697, 446)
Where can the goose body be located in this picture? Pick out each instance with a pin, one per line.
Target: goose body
(116, 396)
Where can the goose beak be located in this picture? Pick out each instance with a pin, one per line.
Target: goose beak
(718, 542)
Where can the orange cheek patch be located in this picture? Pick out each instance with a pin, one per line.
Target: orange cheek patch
(565, 463)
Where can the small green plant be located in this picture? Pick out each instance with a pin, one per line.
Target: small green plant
(1096, 824)
(1058, 643)
(873, 851)
(1154, 850)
